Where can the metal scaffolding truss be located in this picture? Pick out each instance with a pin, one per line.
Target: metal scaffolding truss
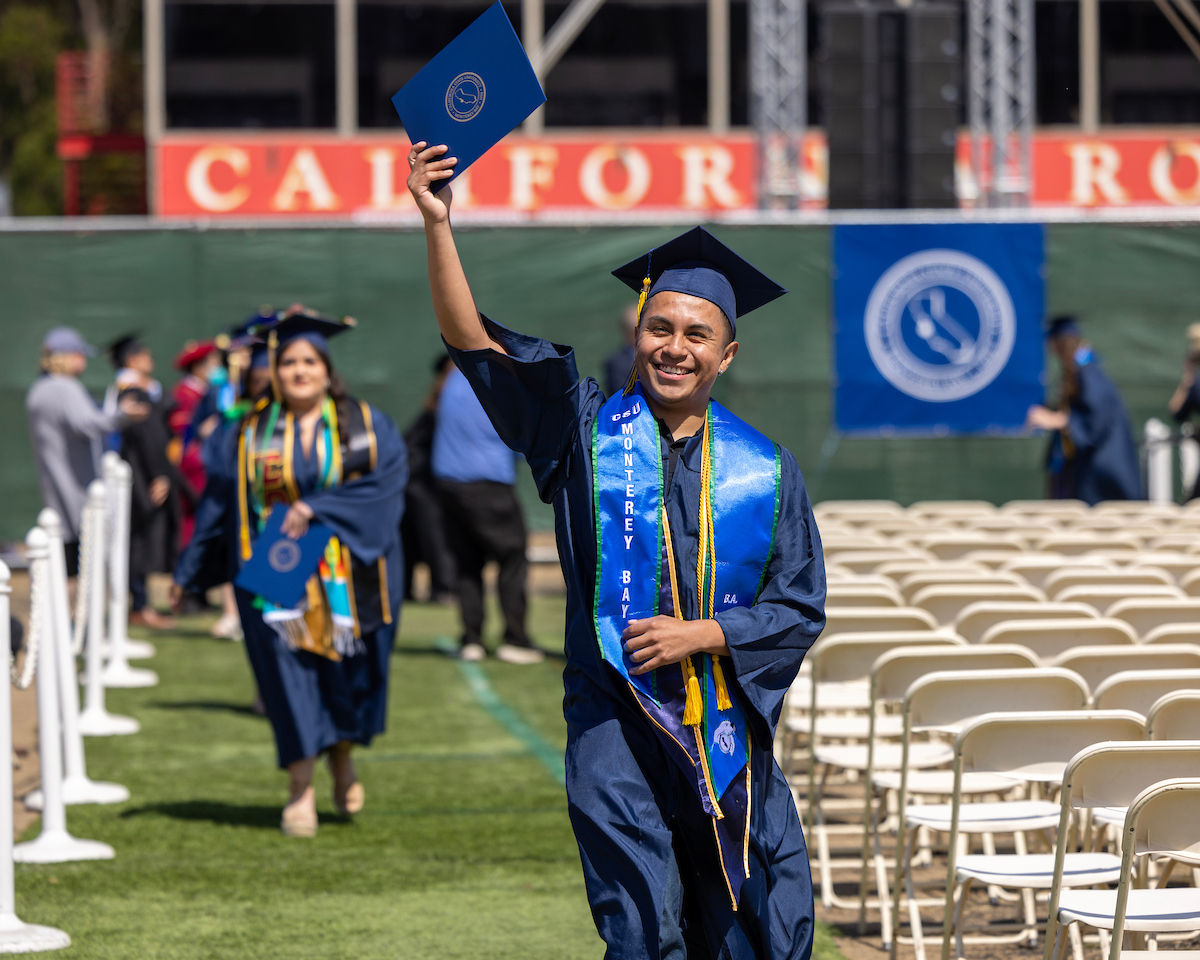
(1001, 100)
(779, 95)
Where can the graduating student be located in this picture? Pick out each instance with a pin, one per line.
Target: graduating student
(1092, 454)
(695, 584)
(323, 457)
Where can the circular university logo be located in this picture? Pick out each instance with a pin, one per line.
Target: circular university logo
(464, 96)
(283, 556)
(940, 325)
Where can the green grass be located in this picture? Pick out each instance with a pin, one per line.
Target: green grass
(464, 849)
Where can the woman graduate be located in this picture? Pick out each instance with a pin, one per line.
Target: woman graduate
(322, 457)
(1092, 454)
(695, 584)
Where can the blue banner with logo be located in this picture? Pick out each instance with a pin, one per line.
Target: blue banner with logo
(938, 328)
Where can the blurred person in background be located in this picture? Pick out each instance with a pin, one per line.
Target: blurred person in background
(320, 456)
(476, 478)
(1092, 454)
(67, 430)
(619, 364)
(198, 362)
(154, 515)
(423, 528)
(1185, 402)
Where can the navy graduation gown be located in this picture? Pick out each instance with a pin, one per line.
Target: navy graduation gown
(311, 701)
(1105, 463)
(648, 849)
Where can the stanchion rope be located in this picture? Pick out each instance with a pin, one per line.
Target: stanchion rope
(84, 585)
(33, 634)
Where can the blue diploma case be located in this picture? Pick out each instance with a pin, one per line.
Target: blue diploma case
(473, 93)
(280, 566)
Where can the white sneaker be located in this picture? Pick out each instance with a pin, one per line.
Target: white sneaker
(227, 628)
(522, 656)
(473, 652)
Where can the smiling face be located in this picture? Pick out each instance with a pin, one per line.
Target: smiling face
(683, 342)
(303, 375)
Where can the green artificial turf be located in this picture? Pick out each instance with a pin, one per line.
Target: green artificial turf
(464, 849)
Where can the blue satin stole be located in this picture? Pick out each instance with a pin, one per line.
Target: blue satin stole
(628, 489)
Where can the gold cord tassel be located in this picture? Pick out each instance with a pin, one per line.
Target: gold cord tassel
(723, 701)
(633, 376)
(272, 349)
(693, 710)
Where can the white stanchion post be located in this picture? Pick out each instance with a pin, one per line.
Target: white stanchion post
(1159, 481)
(76, 786)
(53, 844)
(15, 936)
(111, 465)
(96, 721)
(1189, 464)
(118, 672)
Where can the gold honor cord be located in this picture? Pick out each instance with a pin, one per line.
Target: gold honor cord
(706, 559)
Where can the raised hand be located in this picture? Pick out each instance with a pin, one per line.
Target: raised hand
(426, 166)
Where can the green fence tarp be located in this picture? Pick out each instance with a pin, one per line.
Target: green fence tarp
(1136, 287)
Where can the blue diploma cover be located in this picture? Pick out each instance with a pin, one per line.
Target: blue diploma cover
(473, 93)
(280, 566)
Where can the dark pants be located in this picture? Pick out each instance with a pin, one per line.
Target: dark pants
(137, 589)
(424, 535)
(484, 521)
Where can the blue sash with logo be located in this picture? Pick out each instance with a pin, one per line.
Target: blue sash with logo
(699, 717)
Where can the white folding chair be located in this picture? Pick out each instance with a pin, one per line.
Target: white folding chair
(1139, 689)
(1097, 664)
(1080, 544)
(1163, 820)
(855, 594)
(1173, 633)
(875, 620)
(1036, 568)
(944, 702)
(891, 676)
(1050, 638)
(1034, 747)
(1175, 716)
(976, 619)
(954, 546)
(937, 576)
(947, 602)
(1073, 576)
(1103, 597)
(1146, 614)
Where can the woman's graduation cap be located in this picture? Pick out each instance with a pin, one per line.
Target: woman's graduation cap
(699, 264)
(298, 322)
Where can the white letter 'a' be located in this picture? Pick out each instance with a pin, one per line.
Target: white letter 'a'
(304, 175)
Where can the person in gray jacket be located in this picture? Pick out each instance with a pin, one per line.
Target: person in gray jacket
(67, 428)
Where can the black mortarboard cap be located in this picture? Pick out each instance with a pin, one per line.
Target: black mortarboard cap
(300, 321)
(125, 347)
(1062, 325)
(694, 262)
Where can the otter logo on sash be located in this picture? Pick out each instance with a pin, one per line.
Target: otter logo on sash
(724, 739)
(938, 327)
(465, 96)
(284, 556)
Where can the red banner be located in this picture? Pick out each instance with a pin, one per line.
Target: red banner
(313, 175)
(321, 175)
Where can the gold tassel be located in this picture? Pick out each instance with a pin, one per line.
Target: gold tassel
(723, 701)
(693, 708)
(633, 374)
(642, 297)
(272, 349)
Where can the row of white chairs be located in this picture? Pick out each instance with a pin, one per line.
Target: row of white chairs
(899, 663)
